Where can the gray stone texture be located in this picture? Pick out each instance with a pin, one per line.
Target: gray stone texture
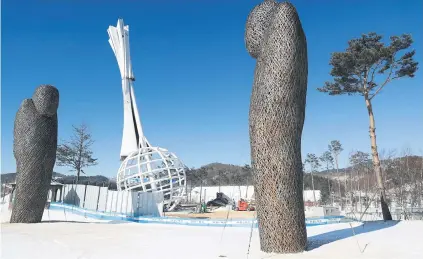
(34, 147)
(275, 38)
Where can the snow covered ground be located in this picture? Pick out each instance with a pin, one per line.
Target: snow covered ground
(72, 236)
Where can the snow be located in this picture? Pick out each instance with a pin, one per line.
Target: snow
(73, 236)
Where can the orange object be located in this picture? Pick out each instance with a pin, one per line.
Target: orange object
(244, 206)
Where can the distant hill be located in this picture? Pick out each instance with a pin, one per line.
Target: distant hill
(399, 170)
(11, 177)
(394, 167)
(219, 174)
(216, 174)
(99, 180)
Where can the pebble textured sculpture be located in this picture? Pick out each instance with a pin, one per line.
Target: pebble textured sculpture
(274, 36)
(34, 147)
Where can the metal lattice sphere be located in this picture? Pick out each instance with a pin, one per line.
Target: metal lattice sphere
(153, 169)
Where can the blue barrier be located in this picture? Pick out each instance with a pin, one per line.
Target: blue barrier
(182, 221)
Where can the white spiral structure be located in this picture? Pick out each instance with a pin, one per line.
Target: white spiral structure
(144, 168)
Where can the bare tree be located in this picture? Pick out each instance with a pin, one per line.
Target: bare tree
(335, 148)
(357, 70)
(237, 179)
(247, 169)
(359, 161)
(389, 166)
(327, 159)
(421, 182)
(314, 164)
(220, 174)
(410, 176)
(350, 194)
(201, 176)
(76, 153)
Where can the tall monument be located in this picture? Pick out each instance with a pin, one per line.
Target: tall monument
(144, 167)
(133, 136)
(275, 38)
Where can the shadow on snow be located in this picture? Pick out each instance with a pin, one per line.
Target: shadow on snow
(329, 237)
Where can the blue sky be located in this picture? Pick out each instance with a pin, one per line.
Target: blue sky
(194, 76)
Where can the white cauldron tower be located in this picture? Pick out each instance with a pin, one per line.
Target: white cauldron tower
(144, 167)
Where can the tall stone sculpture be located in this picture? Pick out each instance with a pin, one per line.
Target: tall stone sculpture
(34, 147)
(274, 36)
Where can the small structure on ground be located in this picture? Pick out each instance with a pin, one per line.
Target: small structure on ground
(34, 147)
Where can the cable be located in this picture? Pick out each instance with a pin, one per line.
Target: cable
(226, 221)
(358, 244)
(251, 233)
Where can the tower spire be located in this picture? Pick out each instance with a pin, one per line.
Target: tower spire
(133, 137)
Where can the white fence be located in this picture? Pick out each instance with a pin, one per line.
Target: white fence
(101, 199)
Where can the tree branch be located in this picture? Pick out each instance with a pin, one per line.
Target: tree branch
(366, 74)
(374, 70)
(388, 78)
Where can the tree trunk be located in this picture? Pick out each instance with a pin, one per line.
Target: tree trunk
(351, 188)
(77, 175)
(201, 190)
(327, 169)
(240, 193)
(220, 179)
(339, 182)
(312, 186)
(340, 194)
(421, 185)
(376, 162)
(246, 190)
(346, 186)
(368, 185)
(359, 191)
(401, 191)
(329, 190)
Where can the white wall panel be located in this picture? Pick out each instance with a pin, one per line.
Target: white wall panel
(91, 197)
(115, 202)
(102, 199)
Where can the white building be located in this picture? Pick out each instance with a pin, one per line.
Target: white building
(236, 193)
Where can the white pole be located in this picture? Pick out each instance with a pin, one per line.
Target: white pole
(133, 137)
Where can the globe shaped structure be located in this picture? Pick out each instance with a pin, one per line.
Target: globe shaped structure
(153, 169)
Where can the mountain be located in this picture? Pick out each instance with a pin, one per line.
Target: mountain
(216, 174)
(219, 174)
(65, 179)
(398, 172)
(11, 177)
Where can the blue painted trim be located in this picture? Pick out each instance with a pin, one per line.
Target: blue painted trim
(181, 221)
